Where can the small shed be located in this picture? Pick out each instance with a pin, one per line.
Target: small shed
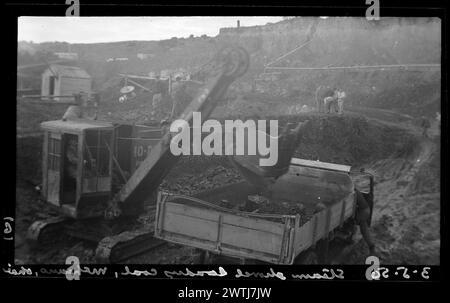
(62, 80)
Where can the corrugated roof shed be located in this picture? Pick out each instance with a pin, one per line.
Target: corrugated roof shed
(69, 71)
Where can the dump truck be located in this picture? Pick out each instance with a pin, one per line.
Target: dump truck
(282, 238)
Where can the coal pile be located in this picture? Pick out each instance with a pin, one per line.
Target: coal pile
(223, 186)
(258, 204)
(191, 183)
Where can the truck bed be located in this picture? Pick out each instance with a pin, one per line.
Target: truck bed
(203, 222)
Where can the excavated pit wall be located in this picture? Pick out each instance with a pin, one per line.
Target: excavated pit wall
(350, 140)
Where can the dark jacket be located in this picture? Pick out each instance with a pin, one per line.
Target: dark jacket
(362, 207)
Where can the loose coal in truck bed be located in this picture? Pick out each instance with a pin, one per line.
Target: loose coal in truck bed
(258, 204)
(242, 197)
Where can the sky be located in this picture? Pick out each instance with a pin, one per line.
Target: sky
(110, 29)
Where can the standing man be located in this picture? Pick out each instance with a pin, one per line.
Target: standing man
(320, 98)
(331, 101)
(328, 101)
(362, 219)
(340, 100)
(71, 163)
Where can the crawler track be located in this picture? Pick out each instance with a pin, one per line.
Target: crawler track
(128, 244)
(112, 247)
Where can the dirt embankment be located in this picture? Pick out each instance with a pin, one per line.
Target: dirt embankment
(406, 219)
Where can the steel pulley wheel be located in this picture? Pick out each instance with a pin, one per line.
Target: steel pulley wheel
(236, 60)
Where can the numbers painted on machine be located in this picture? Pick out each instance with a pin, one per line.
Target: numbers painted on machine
(141, 151)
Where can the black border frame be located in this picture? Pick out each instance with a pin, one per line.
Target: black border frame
(428, 8)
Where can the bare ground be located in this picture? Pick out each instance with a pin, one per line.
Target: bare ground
(406, 219)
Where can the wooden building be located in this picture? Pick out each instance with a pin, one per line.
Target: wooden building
(62, 80)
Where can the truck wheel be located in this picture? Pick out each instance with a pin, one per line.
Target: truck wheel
(205, 257)
(349, 238)
(347, 232)
(308, 257)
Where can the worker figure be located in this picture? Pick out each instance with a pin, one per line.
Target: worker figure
(334, 104)
(330, 100)
(425, 125)
(331, 103)
(71, 163)
(362, 219)
(340, 101)
(320, 97)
